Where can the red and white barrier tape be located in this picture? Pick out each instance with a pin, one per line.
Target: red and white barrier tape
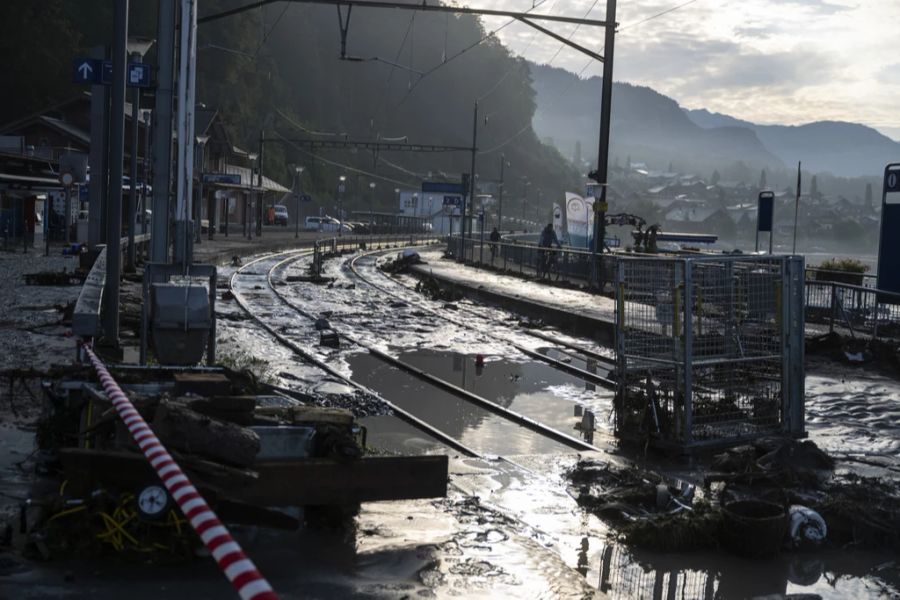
(240, 570)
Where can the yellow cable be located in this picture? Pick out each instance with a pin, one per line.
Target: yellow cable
(68, 511)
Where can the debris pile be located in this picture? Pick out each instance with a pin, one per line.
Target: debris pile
(221, 433)
(404, 261)
(758, 499)
(432, 289)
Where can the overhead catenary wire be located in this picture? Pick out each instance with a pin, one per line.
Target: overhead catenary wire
(339, 164)
(474, 44)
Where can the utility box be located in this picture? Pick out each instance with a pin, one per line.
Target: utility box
(180, 322)
(709, 349)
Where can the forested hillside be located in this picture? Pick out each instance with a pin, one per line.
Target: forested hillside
(278, 69)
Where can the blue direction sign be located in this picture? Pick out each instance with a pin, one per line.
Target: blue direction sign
(94, 71)
(889, 244)
(443, 187)
(229, 178)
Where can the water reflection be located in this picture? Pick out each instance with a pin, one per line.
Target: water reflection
(637, 575)
(530, 388)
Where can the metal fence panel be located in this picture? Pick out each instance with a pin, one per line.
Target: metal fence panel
(704, 354)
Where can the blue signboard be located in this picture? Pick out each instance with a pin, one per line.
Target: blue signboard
(443, 187)
(229, 178)
(94, 71)
(764, 211)
(452, 200)
(889, 245)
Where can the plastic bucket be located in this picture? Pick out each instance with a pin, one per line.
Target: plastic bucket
(754, 528)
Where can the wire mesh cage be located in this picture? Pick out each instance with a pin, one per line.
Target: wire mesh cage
(709, 349)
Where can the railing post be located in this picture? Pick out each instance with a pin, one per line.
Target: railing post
(833, 306)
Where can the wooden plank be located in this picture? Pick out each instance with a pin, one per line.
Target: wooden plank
(304, 482)
(315, 481)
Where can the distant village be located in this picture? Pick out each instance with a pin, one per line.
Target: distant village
(691, 203)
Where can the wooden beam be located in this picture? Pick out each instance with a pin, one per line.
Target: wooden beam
(301, 482)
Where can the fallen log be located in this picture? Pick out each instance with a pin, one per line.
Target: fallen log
(190, 432)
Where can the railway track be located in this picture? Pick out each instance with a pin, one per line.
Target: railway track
(264, 268)
(562, 347)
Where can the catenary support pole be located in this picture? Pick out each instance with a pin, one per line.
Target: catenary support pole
(162, 130)
(471, 190)
(500, 208)
(116, 159)
(99, 121)
(133, 172)
(600, 204)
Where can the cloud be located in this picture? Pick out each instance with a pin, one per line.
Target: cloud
(788, 61)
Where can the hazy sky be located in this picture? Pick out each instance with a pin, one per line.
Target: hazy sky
(767, 61)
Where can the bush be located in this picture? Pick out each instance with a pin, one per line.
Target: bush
(850, 265)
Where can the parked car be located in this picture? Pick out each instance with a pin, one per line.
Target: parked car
(324, 224)
(281, 215)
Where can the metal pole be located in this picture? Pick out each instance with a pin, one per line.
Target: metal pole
(261, 193)
(297, 209)
(117, 150)
(67, 220)
(199, 211)
(471, 190)
(99, 120)
(500, 209)
(132, 190)
(796, 209)
(146, 170)
(162, 132)
(603, 149)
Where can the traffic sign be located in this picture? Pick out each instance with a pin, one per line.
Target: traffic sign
(443, 187)
(228, 178)
(93, 71)
(889, 243)
(342, 188)
(452, 200)
(764, 211)
(305, 198)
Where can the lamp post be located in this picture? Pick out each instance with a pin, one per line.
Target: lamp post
(297, 197)
(248, 205)
(371, 204)
(198, 211)
(340, 191)
(525, 184)
(503, 164)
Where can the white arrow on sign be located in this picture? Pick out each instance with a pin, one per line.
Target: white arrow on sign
(85, 69)
(892, 180)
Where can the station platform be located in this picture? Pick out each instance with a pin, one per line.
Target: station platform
(571, 309)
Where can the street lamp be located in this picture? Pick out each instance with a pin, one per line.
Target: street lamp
(252, 156)
(299, 171)
(340, 189)
(371, 204)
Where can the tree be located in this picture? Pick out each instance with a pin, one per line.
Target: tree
(715, 177)
(762, 180)
(869, 195)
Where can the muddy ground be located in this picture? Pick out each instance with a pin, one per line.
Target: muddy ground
(509, 528)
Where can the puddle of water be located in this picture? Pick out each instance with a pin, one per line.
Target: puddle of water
(471, 424)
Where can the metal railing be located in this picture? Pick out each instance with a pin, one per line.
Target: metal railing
(863, 310)
(566, 265)
(323, 248)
